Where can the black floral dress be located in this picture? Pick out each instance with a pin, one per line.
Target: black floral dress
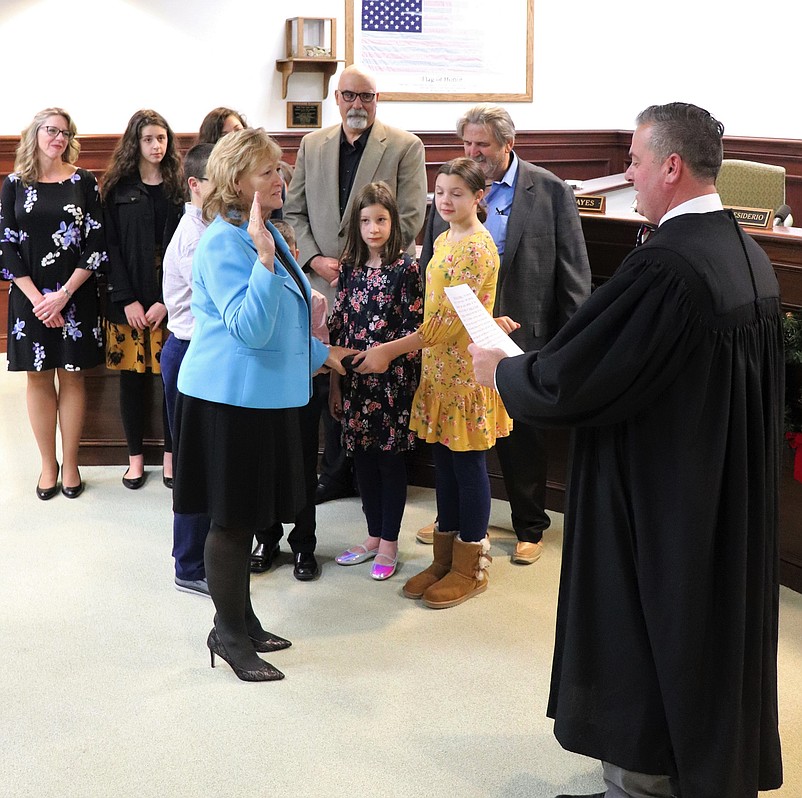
(47, 230)
(373, 306)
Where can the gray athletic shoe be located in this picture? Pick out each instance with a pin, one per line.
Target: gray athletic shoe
(192, 586)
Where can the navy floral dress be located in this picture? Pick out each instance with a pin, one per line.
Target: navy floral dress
(373, 306)
(47, 230)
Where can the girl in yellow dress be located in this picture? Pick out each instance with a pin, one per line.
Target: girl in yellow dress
(461, 418)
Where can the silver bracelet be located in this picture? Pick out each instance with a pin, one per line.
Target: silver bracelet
(66, 291)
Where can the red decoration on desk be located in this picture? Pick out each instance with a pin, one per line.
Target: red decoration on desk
(795, 442)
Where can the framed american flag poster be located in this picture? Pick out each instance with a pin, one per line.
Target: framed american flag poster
(444, 50)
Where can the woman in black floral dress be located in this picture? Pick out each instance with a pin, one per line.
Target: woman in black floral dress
(379, 298)
(51, 243)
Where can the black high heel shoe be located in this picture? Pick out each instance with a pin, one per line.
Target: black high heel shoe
(266, 642)
(267, 673)
(269, 643)
(47, 493)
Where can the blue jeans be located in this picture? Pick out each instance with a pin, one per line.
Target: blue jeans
(189, 530)
(462, 488)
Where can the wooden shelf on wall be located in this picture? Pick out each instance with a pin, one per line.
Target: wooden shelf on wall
(326, 66)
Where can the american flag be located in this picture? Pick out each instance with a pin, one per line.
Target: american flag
(402, 16)
(443, 40)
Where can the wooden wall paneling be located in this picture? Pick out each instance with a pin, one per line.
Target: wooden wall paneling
(103, 440)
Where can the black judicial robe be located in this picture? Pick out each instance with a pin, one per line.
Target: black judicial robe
(665, 658)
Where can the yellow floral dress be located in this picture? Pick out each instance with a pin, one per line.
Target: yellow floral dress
(450, 407)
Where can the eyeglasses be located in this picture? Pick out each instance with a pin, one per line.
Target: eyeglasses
(54, 131)
(365, 96)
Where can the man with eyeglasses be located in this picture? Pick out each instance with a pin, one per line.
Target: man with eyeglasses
(333, 164)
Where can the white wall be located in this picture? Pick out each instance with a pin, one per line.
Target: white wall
(596, 64)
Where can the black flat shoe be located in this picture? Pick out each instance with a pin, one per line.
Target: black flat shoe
(47, 493)
(168, 481)
(306, 567)
(73, 493)
(134, 484)
(263, 557)
(264, 673)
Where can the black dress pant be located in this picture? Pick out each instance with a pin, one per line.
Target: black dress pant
(335, 467)
(524, 462)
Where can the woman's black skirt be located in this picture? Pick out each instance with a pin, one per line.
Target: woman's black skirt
(241, 466)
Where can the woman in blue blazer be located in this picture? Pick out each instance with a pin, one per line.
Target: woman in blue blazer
(247, 370)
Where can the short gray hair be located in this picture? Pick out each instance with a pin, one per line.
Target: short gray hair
(691, 132)
(493, 117)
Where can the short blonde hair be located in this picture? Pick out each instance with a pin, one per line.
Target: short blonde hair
(26, 163)
(233, 156)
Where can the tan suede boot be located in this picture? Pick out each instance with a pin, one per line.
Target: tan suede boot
(443, 546)
(467, 577)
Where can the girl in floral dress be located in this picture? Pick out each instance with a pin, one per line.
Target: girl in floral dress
(378, 300)
(451, 410)
(51, 244)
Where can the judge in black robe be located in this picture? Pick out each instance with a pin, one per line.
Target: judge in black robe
(666, 639)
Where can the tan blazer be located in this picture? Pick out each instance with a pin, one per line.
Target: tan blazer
(313, 206)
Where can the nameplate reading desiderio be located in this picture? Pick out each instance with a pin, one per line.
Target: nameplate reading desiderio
(303, 114)
(753, 217)
(591, 203)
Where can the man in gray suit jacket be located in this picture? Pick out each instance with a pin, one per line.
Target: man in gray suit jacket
(335, 163)
(332, 166)
(544, 277)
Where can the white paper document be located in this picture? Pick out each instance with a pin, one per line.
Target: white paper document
(478, 322)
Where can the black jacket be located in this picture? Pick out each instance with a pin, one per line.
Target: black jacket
(132, 272)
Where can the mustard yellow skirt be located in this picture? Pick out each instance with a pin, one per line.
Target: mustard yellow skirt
(128, 349)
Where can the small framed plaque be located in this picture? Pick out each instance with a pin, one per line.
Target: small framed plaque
(303, 114)
(753, 217)
(591, 203)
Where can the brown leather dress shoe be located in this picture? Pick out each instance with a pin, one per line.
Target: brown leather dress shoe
(527, 553)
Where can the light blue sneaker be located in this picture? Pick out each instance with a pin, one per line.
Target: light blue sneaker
(198, 586)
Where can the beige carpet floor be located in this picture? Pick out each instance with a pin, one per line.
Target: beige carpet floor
(106, 689)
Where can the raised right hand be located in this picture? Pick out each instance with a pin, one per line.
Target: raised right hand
(260, 235)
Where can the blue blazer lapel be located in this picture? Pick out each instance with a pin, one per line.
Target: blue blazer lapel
(288, 262)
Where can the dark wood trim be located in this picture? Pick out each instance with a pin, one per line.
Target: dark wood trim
(576, 154)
